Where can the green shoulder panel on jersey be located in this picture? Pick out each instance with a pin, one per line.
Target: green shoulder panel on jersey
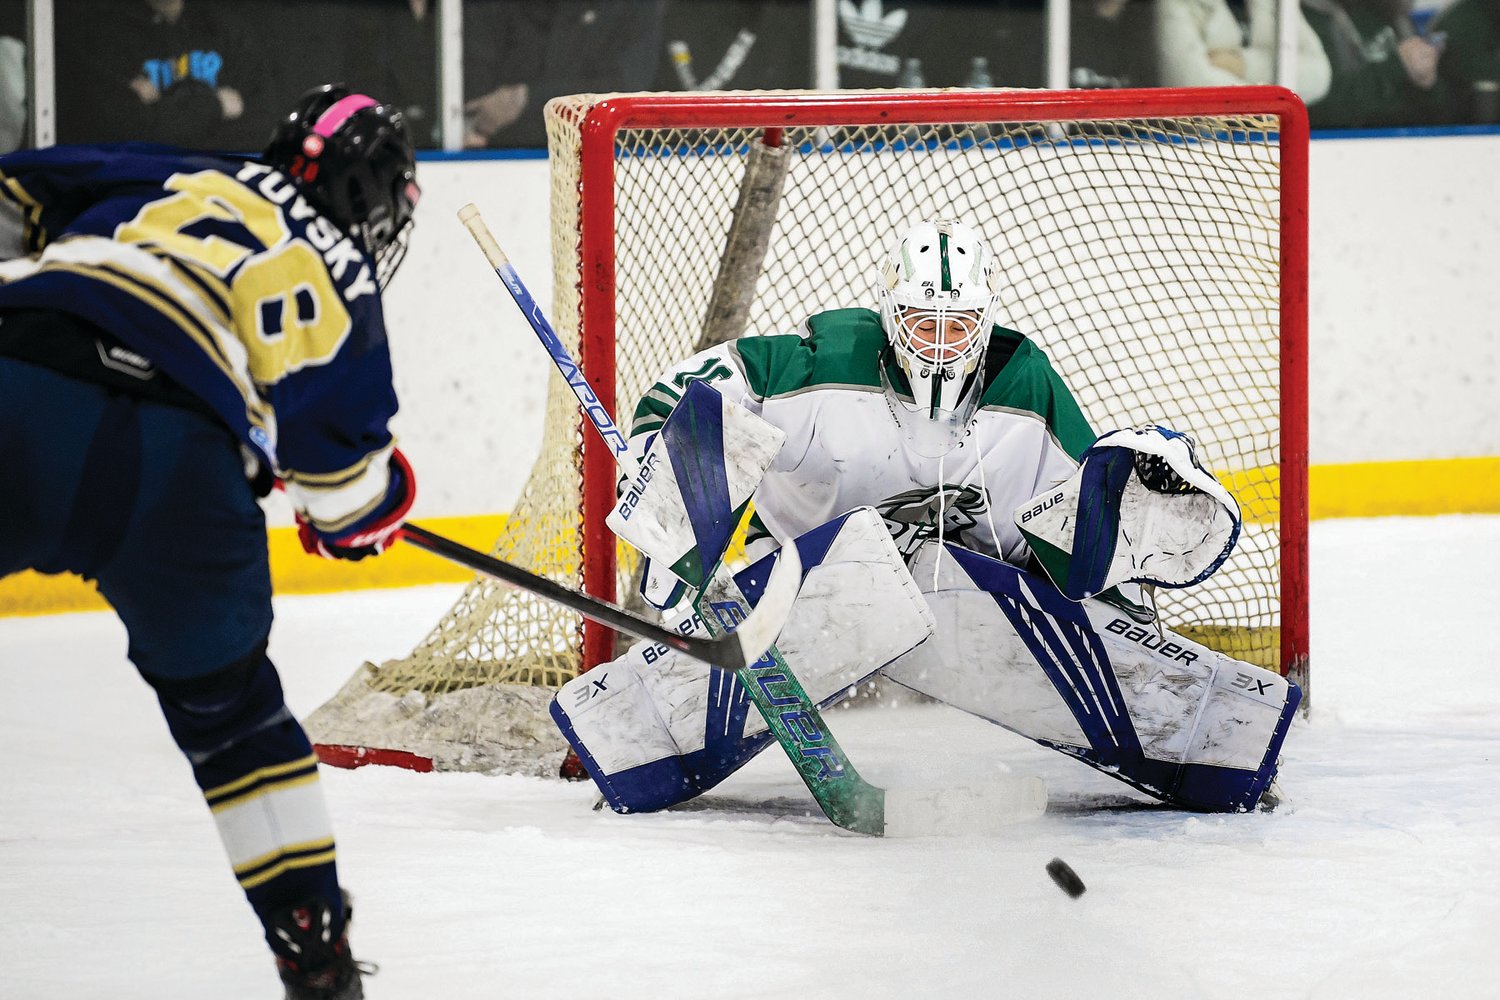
(658, 402)
(1027, 381)
(840, 348)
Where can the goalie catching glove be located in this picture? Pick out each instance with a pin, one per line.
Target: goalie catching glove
(1140, 509)
(374, 532)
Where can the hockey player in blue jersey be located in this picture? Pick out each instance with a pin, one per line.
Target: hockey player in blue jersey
(178, 333)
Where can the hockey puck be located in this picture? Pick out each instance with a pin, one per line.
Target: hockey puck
(1066, 878)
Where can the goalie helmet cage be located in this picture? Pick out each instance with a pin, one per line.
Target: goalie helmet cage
(1153, 242)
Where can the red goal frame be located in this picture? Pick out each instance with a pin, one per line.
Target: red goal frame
(607, 118)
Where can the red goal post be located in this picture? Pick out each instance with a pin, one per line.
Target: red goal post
(1153, 242)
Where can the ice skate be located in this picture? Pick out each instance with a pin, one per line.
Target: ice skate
(323, 969)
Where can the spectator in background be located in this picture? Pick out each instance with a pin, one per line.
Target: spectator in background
(936, 44)
(1214, 43)
(1113, 44)
(386, 47)
(392, 51)
(1470, 61)
(164, 70)
(1383, 72)
(519, 55)
(12, 77)
(734, 45)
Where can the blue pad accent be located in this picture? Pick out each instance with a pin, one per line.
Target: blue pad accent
(694, 436)
(1066, 647)
(671, 780)
(1105, 473)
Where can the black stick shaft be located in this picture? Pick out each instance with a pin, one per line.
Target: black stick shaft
(590, 607)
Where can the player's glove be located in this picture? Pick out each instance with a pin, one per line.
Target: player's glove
(374, 533)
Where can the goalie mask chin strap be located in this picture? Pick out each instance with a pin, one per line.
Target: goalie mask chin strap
(928, 436)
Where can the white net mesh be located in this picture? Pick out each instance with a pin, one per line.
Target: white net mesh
(1143, 255)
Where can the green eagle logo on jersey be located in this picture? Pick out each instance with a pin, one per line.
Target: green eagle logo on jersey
(913, 516)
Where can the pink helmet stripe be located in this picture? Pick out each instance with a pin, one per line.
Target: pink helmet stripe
(341, 111)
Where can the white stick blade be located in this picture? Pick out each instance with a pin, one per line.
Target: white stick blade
(973, 809)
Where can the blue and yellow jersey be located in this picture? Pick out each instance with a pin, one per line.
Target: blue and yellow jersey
(217, 270)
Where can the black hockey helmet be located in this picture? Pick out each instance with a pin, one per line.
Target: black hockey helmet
(354, 160)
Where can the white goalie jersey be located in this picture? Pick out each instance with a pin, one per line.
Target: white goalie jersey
(846, 447)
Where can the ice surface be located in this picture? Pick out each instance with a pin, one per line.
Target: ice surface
(1379, 881)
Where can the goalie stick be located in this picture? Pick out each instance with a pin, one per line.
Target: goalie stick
(848, 800)
(735, 651)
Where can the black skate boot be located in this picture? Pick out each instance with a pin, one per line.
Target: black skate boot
(321, 969)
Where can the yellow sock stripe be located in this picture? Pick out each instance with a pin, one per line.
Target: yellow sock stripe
(259, 791)
(250, 867)
(1363, 489)
(290, 864)
(259, 774)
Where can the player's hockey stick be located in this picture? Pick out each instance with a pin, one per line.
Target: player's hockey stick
(745, 646)
(793, 718)
(735, 651)
(571, 373)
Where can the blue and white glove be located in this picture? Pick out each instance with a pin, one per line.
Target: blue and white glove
(1140, 509)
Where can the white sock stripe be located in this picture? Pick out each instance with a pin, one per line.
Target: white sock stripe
(283, 817)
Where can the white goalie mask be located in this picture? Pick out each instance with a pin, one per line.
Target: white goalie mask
(937, 305)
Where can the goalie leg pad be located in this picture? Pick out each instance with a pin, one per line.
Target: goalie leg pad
(1167, 715)
(654, 727)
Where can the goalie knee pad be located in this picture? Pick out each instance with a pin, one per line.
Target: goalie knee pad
(655, 728)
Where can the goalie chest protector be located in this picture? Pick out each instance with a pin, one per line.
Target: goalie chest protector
(845, 448)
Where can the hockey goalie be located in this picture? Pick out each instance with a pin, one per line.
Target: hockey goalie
(963, 532)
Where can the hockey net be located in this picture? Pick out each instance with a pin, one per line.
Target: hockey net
(1152, 242)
